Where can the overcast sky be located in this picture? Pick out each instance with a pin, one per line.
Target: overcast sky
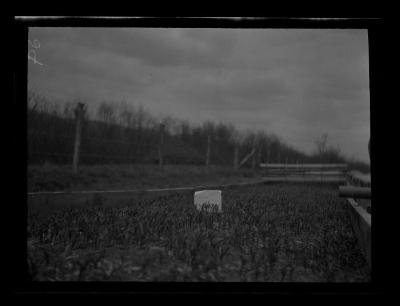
(295, 83)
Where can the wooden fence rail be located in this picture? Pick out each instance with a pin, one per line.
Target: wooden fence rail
(355, 192)
(360, 217)
(361, 223)
(303, 166)
(306, 172)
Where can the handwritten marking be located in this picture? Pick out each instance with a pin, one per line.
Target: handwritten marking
(32, 53)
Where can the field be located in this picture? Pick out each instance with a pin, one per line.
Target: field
(51, 177)
(273, 232)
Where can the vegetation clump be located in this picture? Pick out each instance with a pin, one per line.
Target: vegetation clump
(275, 232)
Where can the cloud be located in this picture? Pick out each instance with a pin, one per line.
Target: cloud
(237, 92)
(155, 47)
(296, 83)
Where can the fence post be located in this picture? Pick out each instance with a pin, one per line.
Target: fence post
(160, 146)
(208, 150)
(77, 145)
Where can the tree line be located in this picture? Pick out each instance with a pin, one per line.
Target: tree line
(125, 133)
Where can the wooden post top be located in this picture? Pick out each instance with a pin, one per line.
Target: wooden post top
(79, 109)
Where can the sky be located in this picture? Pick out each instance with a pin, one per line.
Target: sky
(295, 83)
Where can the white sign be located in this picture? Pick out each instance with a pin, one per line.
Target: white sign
(208, 197)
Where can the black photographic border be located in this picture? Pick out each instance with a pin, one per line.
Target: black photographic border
(21, 283)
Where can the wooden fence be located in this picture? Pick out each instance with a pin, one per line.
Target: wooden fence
(305, 172)
(358, 194)
(357, 190)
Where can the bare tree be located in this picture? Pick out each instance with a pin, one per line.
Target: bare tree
(125, 114)
(328, 153)
(168, 123)
(68, 110)
(321, 144)
(106, 113)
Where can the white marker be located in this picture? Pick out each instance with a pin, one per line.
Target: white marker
(204, 197)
